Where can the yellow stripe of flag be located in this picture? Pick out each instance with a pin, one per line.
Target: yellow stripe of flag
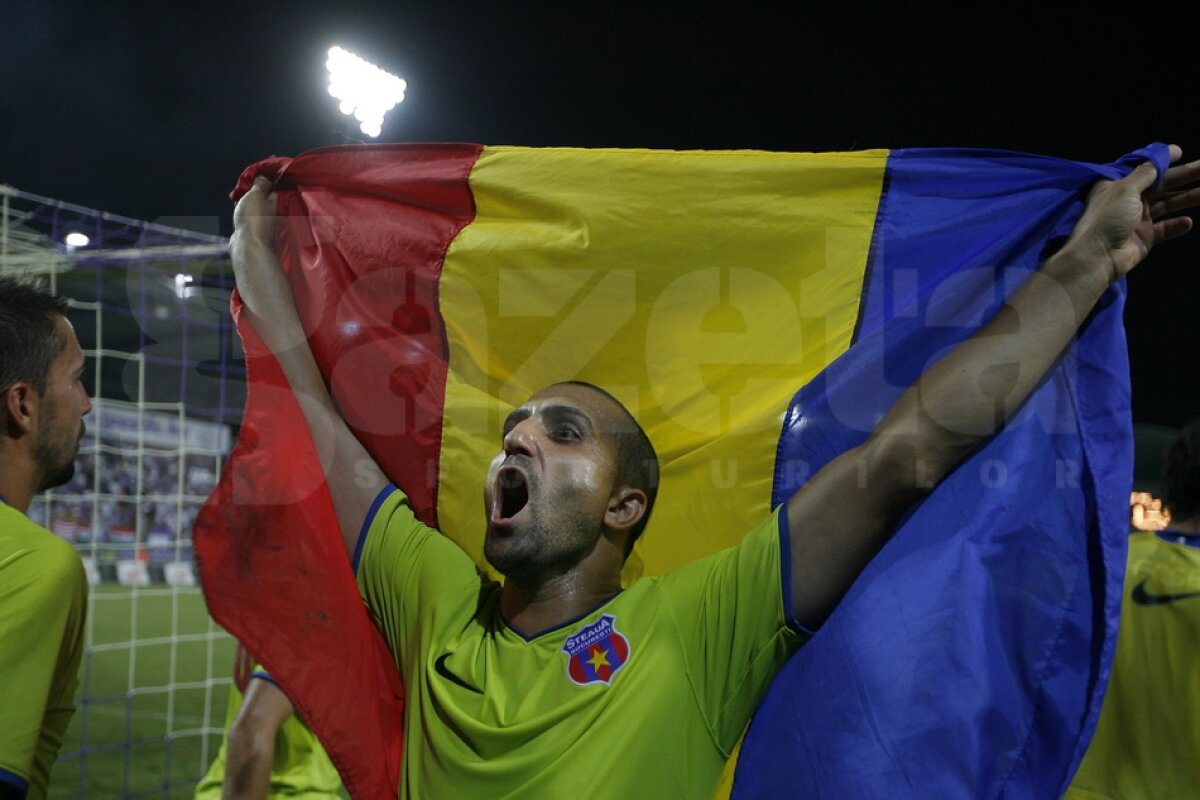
(701, 288)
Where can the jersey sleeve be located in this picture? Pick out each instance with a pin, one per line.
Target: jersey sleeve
(733, 611)
(407, 572)
(260, 672)
(43, 603)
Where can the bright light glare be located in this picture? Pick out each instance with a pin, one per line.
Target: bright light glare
(76, 239)
(366, 92)
(183, 286)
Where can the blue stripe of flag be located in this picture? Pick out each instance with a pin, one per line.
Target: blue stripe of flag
(970, 658)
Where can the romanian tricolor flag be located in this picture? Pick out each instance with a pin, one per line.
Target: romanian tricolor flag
(757, 312)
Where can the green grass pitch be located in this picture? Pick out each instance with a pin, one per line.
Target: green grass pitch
(148, 716)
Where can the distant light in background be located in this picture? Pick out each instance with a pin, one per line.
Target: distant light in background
(183, 286)
(365, 91)
(76, 239)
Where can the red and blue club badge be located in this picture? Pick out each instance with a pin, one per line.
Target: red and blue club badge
(596, 653)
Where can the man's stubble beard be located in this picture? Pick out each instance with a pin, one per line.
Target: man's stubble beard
(55, 459)
(543, 550)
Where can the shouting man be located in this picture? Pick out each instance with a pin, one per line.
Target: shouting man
(662, 676)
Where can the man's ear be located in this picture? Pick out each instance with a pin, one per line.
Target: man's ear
(626, 506)
(20, 404)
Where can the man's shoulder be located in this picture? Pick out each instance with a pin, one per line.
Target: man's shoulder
(763, 536)
(393, 530)
(1151, 546)
(30, 549)
(390, 514)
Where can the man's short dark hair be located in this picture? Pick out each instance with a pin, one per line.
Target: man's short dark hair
(1181, 474)
(637, 462)
(29, 339)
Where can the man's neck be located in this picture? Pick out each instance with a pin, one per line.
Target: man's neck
(533, 608)
(16, 487)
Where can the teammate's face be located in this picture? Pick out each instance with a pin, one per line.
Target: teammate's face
(548, 489)
(60, 414)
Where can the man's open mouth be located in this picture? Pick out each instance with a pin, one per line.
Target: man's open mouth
(512, 489)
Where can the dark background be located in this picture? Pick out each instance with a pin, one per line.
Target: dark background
(151, 111)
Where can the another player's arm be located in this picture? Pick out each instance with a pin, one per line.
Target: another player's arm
(1146, 512)
(846, 513)
(251, 749)
(268, 302)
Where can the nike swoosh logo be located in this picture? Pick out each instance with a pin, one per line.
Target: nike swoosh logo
(1140, 595)
(439, 667)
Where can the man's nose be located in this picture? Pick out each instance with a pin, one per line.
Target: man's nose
(520, 439)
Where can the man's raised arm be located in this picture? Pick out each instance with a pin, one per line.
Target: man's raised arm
(268, 302)
(846, 513)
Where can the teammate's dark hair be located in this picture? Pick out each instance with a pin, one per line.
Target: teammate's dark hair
(637, 462)
(29, 340)
(1181, 475)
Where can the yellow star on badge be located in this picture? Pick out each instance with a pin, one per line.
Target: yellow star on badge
(599, 658)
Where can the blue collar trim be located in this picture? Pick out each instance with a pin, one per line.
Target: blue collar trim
(1185, 538)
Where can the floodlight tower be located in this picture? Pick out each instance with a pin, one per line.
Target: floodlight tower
(364, 91)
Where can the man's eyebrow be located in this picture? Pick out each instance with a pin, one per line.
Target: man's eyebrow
(515, 416)
(556, 411)
(560, 411)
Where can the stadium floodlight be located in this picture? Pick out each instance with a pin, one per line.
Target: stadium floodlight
(364, 91)
(76, 239)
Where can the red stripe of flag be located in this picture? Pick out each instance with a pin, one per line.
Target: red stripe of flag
(363, 233)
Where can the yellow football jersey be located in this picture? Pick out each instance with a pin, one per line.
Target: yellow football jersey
(1147, 742)
(644, 696)
(43, 604)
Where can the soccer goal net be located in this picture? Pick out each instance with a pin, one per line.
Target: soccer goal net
(149, 303)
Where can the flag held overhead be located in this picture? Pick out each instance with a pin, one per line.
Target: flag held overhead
(757, 312)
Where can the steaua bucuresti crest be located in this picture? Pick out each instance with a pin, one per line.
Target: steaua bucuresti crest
(596, 653)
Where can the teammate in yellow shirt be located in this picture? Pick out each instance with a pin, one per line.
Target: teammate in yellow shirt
(43, 591)
(267, 752)
(1147, 742)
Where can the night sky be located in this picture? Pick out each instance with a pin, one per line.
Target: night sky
(152, 110)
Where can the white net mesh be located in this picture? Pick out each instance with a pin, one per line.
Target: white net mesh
(150, 306)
